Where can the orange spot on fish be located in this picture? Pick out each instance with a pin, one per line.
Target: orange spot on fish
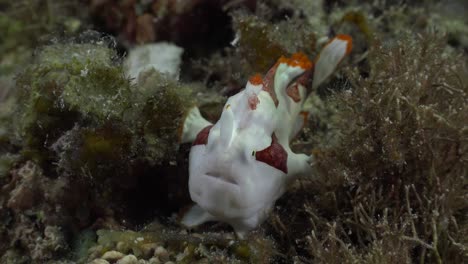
(256, 79)
(349, 41)
(298, 59)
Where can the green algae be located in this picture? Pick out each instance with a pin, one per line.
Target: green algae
(52, 87)
(84, 85)
(165, 103)
(261, 43)
(260, 49)
(77, 116)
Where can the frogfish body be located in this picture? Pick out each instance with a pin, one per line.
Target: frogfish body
(239, 166)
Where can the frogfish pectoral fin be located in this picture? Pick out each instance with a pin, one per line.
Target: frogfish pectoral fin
(196, 216)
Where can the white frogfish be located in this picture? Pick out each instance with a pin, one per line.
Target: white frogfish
(239, 166)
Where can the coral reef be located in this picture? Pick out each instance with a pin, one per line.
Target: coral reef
(89, 158)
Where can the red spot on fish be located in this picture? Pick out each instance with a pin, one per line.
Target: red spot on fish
(253, 101)
(274, 155)
(293, 89)
(269, 83)
(305, 116)
(202, 137)
(293, 92)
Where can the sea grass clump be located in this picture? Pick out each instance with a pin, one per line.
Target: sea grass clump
(393, 187)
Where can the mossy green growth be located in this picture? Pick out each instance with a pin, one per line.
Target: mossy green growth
(66, 83)
(95, 84)
(259, 50)
(102, 151)
(159, 114)
(148, 131)
(261, 43)
(75, 57)
(24, 23)
(77, 100)
(104, 143)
